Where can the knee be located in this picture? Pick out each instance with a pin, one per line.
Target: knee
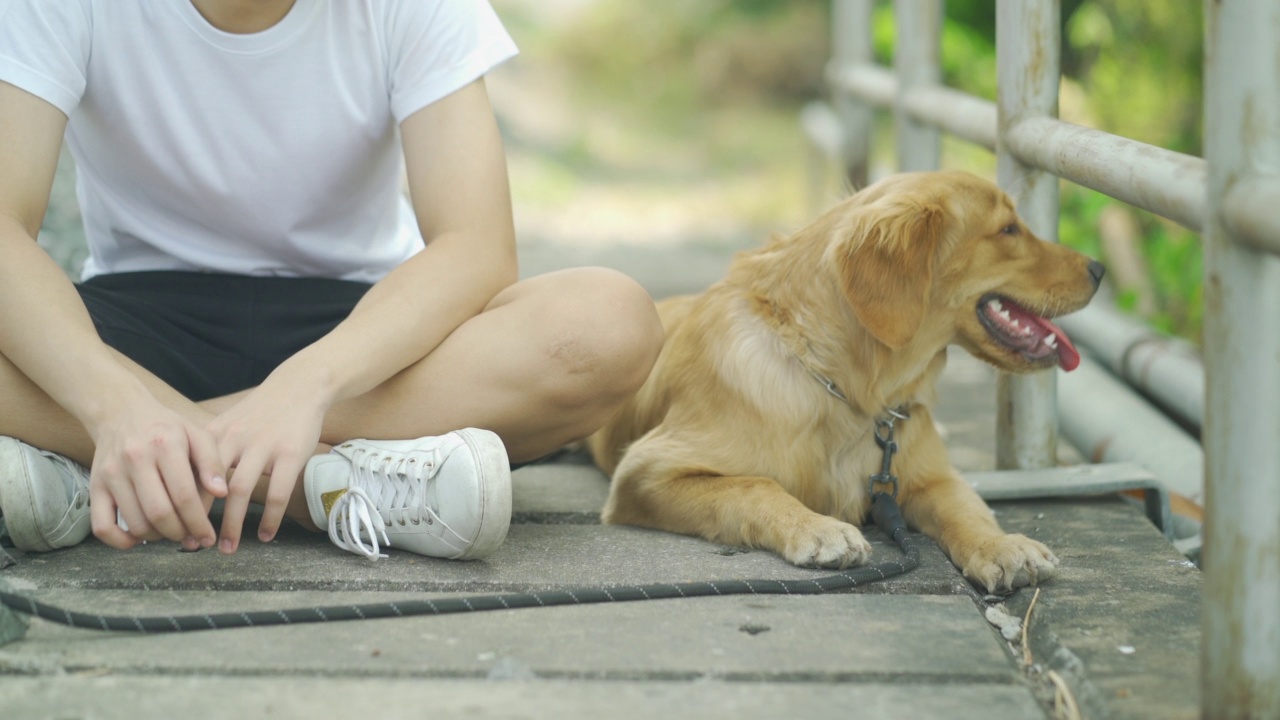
(607, 339)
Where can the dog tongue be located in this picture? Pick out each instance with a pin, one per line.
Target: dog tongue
(1068, 356)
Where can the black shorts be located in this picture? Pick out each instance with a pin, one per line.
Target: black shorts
(208, 335)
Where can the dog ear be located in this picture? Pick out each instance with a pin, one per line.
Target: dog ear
(885, 259)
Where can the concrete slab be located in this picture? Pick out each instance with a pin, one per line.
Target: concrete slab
(136, 698)
(1121, 621)
(561, 492)
(534, 557)
(833, 638)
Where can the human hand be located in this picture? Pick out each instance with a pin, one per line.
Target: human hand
(272, 431)
(146, 464)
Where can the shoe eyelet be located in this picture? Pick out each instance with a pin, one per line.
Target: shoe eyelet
(430, 520)
(416, 521)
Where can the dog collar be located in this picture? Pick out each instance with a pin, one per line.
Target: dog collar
(884, 431)
(828, 383)
(886, 418)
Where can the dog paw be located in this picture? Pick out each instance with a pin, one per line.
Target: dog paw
(827, 543)
(1009, 562)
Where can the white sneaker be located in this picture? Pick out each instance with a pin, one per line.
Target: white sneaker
(444, 497)
(44, 497)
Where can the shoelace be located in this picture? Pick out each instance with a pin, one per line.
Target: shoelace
(78, 496)
(380, 486)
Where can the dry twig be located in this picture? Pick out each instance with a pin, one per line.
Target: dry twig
(1064, 703)
(1026, 620)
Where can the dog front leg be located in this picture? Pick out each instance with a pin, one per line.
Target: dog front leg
(748, 511)
(949, 510)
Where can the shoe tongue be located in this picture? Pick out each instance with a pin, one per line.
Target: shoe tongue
(72, 474)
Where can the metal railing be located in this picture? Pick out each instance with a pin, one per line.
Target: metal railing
(1232, 197)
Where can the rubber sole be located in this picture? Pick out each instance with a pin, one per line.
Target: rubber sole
(490, 457)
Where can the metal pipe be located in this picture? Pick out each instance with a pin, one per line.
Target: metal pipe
(1028, 50)
(915, 60)
(1167, 369)
(823, 128)
(875, 84)
(1167, 183)
(1240, 652)
(1249, 212)
(1108, 422)
(851, 45)
(963, 115)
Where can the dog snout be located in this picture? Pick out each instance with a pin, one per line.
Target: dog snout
(1096, 271)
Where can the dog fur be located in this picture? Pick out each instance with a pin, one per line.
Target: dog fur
(734, 438)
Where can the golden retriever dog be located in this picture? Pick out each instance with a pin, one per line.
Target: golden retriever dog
(757, 425)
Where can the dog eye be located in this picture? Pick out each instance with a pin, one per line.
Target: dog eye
(1010, 229)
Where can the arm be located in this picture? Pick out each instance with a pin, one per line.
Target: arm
(46, 333)
(458, 184)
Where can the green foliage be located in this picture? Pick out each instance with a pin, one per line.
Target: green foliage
(1132, 68)
(1177, 269)
(1139, 67)
(968, 55)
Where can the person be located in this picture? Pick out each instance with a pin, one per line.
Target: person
(263, 316)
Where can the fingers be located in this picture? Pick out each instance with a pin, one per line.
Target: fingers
(148, 480)
(123, 486)
(247, 473)
(266, 432)
(161, 473)
(208, 464)
(183, 514)
(284, 476)
(102, 515)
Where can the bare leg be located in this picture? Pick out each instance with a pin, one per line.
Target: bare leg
(547, 362)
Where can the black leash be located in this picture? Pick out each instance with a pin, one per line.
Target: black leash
(883, 509)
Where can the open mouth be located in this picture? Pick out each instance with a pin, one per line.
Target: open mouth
(1022, 331)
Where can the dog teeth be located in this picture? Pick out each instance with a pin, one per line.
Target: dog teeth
(995, 304)
(1051, 341)
(1005, 314)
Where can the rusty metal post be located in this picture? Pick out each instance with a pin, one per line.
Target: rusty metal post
(851, 45)
(915, 62)
(1027, 54)
(1240, 659)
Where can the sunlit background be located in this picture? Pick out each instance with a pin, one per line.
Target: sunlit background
(677, 122)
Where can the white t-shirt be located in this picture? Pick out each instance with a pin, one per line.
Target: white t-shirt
(273, 153)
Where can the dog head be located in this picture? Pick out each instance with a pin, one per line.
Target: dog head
(932, 258)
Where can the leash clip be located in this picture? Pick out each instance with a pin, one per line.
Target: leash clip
(884, 438)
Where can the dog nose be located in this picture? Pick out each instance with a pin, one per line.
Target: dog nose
(1096, 271)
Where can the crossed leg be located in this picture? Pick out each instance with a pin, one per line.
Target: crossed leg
(545, 363)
